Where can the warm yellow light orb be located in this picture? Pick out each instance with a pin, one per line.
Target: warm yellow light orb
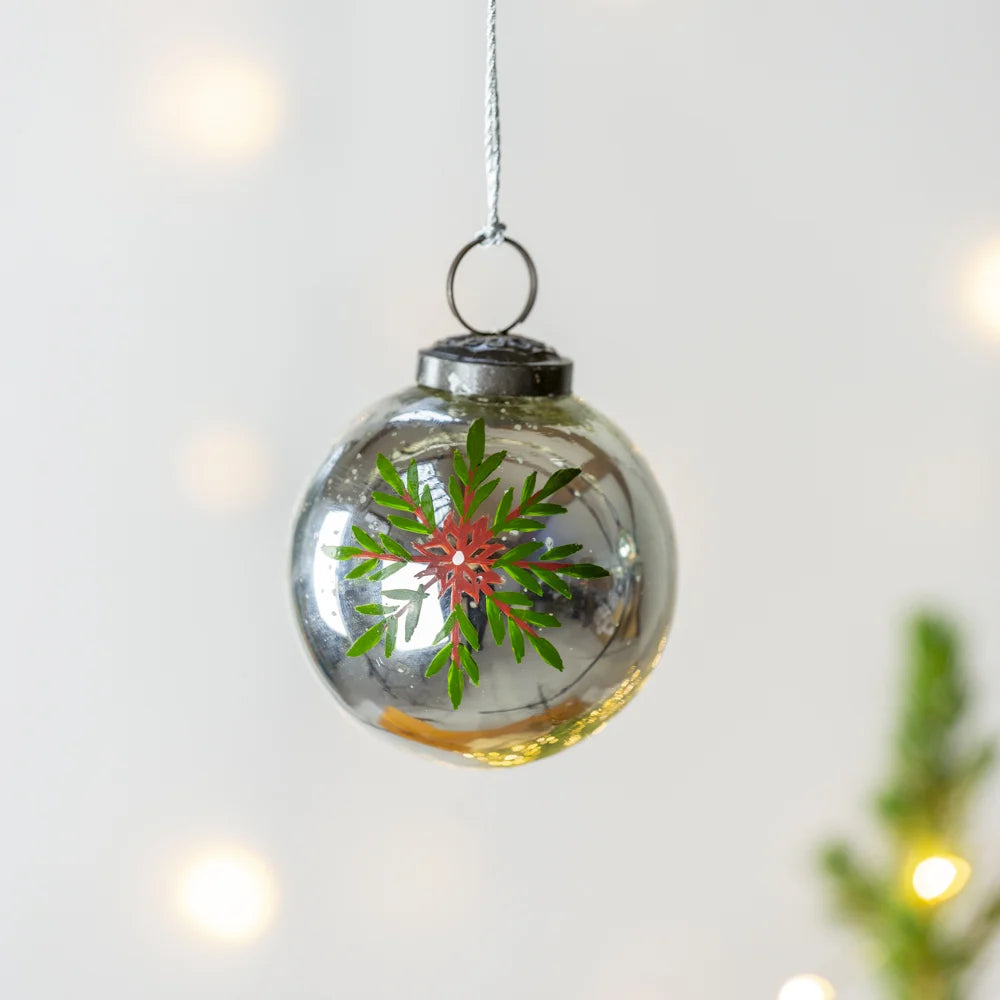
(219, 106)
(807, 988)
(980, 289)
(228, 894)
(224, 468)
(940, 877)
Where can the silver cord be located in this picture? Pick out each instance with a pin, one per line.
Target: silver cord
(492, 233)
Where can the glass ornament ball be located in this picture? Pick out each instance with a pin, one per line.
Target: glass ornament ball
(488, 579)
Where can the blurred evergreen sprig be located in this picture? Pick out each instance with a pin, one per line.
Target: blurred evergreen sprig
(923, 809)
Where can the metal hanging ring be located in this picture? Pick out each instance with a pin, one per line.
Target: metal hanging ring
(532, 287)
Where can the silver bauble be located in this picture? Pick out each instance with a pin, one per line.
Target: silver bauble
(611, 629)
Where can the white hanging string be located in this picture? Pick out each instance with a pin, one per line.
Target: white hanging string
(492, 233)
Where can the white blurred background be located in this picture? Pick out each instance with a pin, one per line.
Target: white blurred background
(769, 236)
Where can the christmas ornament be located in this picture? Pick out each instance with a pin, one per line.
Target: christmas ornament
(484, 566)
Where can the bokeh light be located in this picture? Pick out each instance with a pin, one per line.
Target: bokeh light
(940, 877)
(980, 288)
(807, 988)
(224, 468)
(223, 106)
(228, 894)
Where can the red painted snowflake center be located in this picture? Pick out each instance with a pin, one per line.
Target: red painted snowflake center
(459, 558)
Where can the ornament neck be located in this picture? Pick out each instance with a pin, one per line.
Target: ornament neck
(494, 365)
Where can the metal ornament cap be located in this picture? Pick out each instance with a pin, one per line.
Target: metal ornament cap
(495, 364)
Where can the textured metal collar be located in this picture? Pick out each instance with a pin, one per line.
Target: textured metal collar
(503, 364)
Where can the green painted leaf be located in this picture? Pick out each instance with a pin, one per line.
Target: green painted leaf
(560, 552)
(457, 493)
(412, 619)
(552, 579)
(540, 618)
(503, 510)
(390, 501)
(466, 627)
(513, 597)
(456, 685)
(481, 495)
(413, 480)
(366, 567)
(488, 468)
(524, 578)
(519, 552)
(409, 524)
(368, 640)
(546, 651)
(544, 509)
(427, 505)
(393, 547)
(384, 574)
(389, 474)
(391, 628)
(440, 659)
(445, 628)
(522, 524)
(528, 488)
(342, 551)
(366, 540)
(461, 469)
(495, 616)
(516, 640)
(402, 595)
(585, 571)
(475, 442)
(557, 481)
(373, 609)
(470, 665)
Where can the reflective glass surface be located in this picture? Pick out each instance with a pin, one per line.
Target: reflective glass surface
(611, 630)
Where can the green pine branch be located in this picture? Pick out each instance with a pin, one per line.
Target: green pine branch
(923, 810)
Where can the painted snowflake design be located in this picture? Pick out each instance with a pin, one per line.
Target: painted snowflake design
(465, 559)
